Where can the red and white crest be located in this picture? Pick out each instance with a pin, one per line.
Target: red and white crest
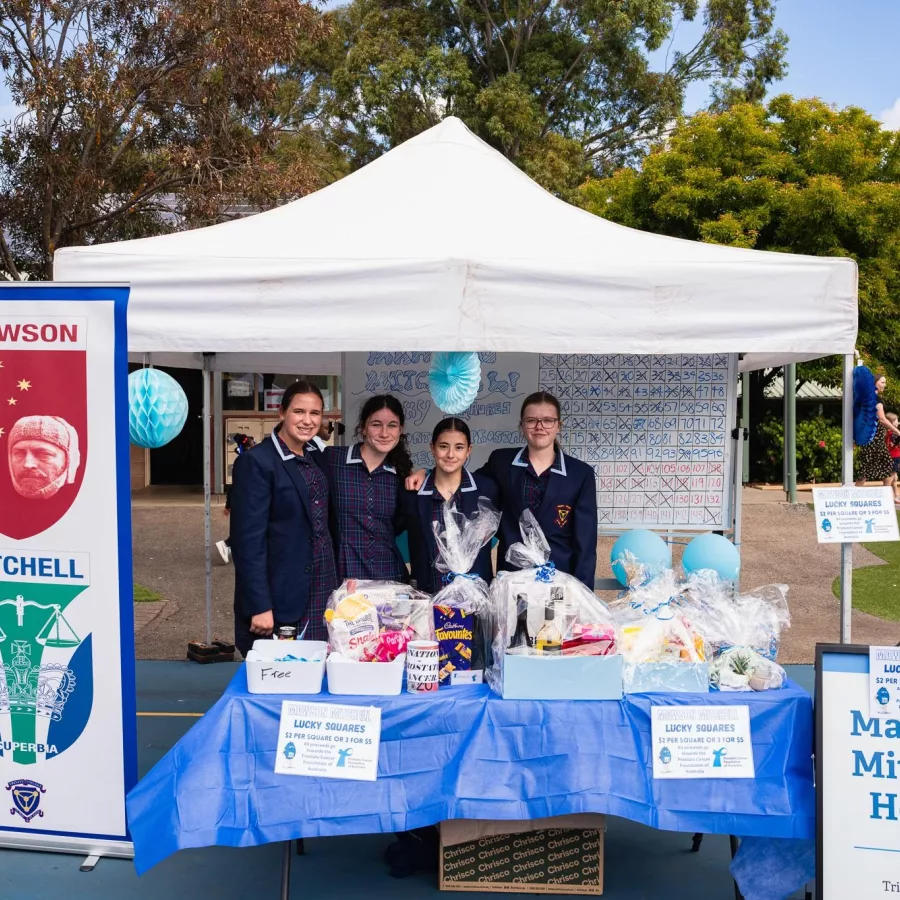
(43, 420)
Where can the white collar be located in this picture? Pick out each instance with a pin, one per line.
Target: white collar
(309, 446)
(560, 457)
(468, 483)
(351, 459)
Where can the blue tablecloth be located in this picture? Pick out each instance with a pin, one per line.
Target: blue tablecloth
(467, 754)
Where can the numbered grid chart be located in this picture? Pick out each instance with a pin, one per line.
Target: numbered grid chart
(654, 428)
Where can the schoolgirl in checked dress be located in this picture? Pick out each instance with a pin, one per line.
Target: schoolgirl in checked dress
(364, 482)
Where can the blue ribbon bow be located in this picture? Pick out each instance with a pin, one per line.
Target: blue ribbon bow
(662, 610)
(448, 578)
(545, 572)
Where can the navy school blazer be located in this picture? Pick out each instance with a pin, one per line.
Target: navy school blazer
(567, 516)
(271, 533)
(416, 517)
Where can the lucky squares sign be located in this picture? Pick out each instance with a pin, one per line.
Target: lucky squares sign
(67, 718)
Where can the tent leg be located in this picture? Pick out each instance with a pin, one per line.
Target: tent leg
(207, 517)
(745, 425)
(738, 436)
(847, 467)
(790, 431)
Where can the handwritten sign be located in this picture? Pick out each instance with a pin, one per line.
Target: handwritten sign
(325, 740)
(848, 514)
(506, 380)
(701, 742)
(655, 429)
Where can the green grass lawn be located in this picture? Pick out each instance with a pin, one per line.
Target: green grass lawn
(876, 589)
(145, 595)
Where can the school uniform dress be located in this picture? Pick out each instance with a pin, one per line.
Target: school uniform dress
(420, 509)
(280, 540)
(563, 499)
(364, 505)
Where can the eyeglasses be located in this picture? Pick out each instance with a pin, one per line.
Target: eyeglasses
(532, 423)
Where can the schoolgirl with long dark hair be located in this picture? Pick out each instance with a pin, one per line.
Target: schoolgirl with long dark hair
(449, 480)
(560, 490)
(364, 481)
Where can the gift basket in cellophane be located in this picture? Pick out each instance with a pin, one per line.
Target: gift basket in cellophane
(742, 631)
(462, 608)
(662, 639)
(370, 624)
(553, 637)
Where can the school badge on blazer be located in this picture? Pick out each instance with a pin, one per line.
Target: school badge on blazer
(563, 512)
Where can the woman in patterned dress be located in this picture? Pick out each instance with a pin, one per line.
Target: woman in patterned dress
(280, 539)
(874, 461)
(364, 482)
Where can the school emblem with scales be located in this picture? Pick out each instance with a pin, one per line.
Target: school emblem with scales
(37, 676)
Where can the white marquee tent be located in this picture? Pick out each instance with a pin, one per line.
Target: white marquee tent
(443, 244)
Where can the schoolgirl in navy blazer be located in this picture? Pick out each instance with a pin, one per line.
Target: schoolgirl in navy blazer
(562, 494)
(451, 445)
(418, 514)
(567, 511)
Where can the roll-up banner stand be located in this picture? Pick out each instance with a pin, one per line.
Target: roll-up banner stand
(857, 774)
(68, 748)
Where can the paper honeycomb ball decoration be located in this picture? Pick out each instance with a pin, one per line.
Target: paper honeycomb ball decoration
(644, 550)
(453, 381)
(712, 551)
(157, 408)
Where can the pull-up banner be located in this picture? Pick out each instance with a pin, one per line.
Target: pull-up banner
(68, 751)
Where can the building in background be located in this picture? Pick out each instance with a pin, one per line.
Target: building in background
(242, 403)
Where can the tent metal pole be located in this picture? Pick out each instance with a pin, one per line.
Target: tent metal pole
(790, 430)
(847, 467)
(207, 477)
(738, 435)
(745, 425)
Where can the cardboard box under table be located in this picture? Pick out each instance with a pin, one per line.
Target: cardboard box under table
(559, 855)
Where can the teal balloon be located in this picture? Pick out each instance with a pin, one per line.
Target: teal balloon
(647, 547)
(712, 551)
(453, 381)
(157, 408)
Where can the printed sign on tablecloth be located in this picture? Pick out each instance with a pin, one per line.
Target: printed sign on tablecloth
(325, 740)
(701, 742)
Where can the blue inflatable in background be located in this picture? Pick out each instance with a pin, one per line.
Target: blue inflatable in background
(865, 399)
(647, 547)
(157, 408)
(712, 551)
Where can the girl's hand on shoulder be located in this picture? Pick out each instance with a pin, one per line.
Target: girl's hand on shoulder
(416, 480)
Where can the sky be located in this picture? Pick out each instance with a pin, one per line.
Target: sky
(843, 51)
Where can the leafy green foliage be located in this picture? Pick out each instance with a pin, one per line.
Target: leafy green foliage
(818, 451)
(141, 114)
(562, 87)
(795, 176)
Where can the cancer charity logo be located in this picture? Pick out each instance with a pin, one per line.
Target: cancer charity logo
(46, 680)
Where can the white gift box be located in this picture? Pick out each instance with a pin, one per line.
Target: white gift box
(371, 679)
(265, 676)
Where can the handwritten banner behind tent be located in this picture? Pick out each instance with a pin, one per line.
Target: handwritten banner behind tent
(654, 428)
